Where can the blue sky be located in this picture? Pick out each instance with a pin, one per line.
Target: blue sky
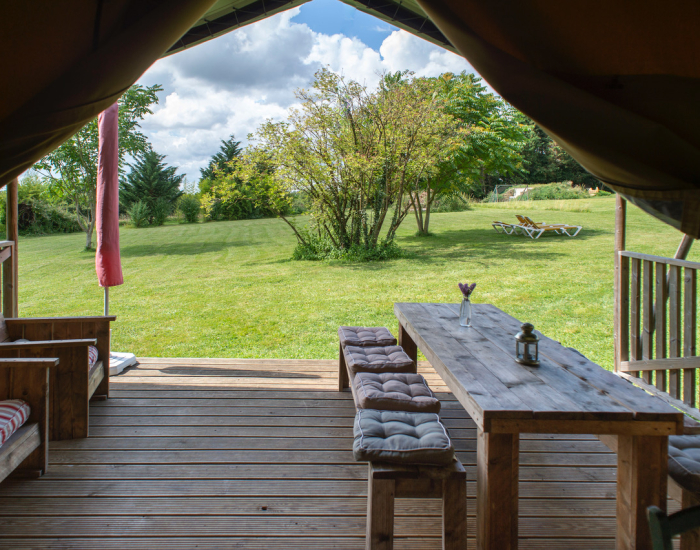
(334, 17)
(231, 84)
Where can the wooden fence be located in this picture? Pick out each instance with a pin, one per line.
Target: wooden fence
(657, 320)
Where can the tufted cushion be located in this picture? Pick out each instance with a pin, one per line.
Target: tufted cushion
(366, 336)
(395, 391)
(384, 359)
(684, 461)
(401, 438)
(13, 413)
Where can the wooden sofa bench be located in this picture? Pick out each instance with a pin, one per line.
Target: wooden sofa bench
(27, 448)
(72, 383)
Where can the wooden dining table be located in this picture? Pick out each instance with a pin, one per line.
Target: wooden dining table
(565, 394)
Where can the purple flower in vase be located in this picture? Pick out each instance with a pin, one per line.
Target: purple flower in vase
(467, 289)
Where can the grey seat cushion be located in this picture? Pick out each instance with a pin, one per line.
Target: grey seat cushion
(379, 359)
(684, 461)
(366, 336)
(395, 391)
(401, 438)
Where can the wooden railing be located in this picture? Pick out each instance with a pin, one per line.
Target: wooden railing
(657, 320)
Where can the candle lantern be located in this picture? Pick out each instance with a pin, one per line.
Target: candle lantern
(527, 346)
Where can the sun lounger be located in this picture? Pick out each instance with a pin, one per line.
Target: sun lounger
(535, 230)
(502, 227)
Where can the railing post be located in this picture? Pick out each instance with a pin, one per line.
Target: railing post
(10, 268)
(620, 313)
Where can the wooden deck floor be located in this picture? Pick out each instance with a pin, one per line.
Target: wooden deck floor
(257, 454)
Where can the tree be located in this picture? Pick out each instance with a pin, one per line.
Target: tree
(72, 168)
(546, 162)
(491, 138)
(230, 149)
(355, 154)
(153, 183)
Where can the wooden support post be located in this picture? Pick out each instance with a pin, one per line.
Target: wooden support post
(408, 345)
(10, 267)
(380, 513)
(497, 465)
(343, 380)
(454, 511)
(642, 470)
(620, 233)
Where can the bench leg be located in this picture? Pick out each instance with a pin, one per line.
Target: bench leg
(408, 345)
(642, 470)
(454, 512)
(497, 465)
(380, 513)
(343, 380)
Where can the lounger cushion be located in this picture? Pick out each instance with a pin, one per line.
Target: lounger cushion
(92, 356)
(366, 336)
(395, 391)
(379, 359)
(401, 438)
(684, 461)
(13, 413)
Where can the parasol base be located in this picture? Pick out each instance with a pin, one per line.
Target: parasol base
(119, 361)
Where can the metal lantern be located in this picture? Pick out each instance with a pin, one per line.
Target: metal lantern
(527, 346)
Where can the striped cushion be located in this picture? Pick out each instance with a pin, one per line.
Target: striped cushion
(13, 414)
(92, 356)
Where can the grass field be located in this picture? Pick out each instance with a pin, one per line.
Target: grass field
(229, 289)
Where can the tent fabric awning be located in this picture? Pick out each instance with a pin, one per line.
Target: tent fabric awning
(614, 83)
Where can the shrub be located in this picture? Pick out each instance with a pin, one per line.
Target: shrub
(554, 191)
(38, 217)
(188, 206)
(139, 214)
(450, 203)
(160, 211)
(321, 248)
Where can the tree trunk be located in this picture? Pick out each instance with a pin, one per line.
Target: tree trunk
(88, 235)
(418, 211)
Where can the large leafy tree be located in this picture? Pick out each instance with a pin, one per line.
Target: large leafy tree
(546, 162)
(152, 182)
(491, 138)
(220, 163)
(356, 153)
(71, 169)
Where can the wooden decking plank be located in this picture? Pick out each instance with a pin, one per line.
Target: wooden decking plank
(281, 488)
(273, 431)
(295, 506)
(294, 471)
(290, 443)
(287, 457)
(272, 525)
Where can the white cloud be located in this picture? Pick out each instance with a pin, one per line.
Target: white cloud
(233, 83)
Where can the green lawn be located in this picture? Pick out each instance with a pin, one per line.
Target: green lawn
(229, 289)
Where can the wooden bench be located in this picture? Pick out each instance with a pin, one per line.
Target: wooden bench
(387, 482)
(72, 384)
(27, 448)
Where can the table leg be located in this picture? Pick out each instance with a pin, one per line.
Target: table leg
(408, 345)
(642, 470)
(497, 491)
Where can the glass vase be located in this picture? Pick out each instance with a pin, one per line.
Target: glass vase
(465, 313)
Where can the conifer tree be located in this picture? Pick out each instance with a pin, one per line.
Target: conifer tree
(152, 182)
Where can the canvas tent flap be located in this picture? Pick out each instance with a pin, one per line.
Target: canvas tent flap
(65, 62)
(614, 83)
